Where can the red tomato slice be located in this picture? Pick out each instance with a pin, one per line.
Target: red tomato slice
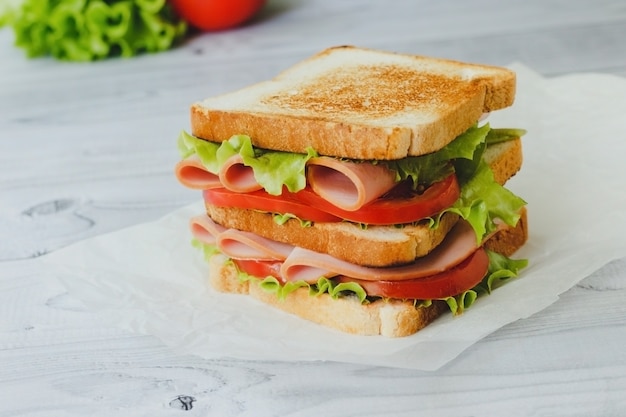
(463, 277)
(261, 200)
(399, 206)
(216, 14)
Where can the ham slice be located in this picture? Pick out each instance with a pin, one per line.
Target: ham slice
(306, 265)
(301, 264)
(233, 175)
(205, 229)
(192, 174)
(250, 246)
(348, 185)
(238, 177)
(235, 243)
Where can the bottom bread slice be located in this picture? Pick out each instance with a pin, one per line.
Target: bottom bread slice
(391, 318)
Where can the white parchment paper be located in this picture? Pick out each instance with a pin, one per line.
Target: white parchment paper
(149, 280)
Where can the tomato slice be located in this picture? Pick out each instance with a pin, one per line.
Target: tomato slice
(261, 200)
(463, 277)
(401, 205)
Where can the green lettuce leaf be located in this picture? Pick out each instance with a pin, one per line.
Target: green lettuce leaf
(433, 167)
(323, 286)
(459, 303)
(273, 170)
(501, 270)
(483, 200)
(87, 30)
(502, 135)
(282, 218)
(271, 285)
(206, 249)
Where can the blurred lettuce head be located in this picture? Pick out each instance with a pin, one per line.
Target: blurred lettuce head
(88, 30)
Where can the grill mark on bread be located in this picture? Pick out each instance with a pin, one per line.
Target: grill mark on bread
(379, 91)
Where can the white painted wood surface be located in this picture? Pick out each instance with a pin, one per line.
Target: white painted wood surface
(89, 148)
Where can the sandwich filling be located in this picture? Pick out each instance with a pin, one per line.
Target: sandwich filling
(453, 179)
(310, 188)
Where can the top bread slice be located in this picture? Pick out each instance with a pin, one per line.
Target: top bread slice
(359, 103)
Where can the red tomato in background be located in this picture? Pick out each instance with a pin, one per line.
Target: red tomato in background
(212, 15)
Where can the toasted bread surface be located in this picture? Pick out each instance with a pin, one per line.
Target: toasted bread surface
(374, 246)
(359, 103)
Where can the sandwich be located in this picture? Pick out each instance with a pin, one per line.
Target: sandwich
(362, 190)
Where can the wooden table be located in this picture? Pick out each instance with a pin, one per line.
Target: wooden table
(89, 148)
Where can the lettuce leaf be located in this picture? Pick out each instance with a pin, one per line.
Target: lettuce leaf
(482, 200)
(282, 218)
(206, 249)
(323, 286)
(88, 30)
(502, 135)
(459, 303)
(272, 169)
(501, 269)
(433, 167)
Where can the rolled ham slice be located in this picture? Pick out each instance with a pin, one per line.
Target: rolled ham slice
(205, 229)
(250, 246)
(238, 177)
(309, 266)
(192, 174)
(348, 185)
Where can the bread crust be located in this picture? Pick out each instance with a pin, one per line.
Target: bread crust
(359, 103)
(505, 159)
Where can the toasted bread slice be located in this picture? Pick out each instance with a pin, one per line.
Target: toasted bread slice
(359, 103)
(378, 246)
(391, 318)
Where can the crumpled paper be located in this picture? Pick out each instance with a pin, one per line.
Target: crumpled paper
(149, 280)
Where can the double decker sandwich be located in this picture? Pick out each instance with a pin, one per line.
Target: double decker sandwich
(359, 189)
